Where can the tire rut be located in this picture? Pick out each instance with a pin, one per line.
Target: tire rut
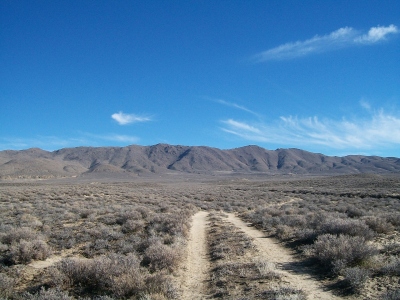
(195, 272)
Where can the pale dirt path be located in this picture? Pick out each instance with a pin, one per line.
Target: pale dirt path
(285, 261)
(195, 272)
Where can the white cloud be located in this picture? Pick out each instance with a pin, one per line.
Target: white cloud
(378, 130)
(51, 143)
(117, 138)
(237, 106)
(341, 38)
(124, 119)
(376, 34)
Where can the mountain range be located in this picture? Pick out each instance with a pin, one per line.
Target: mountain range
(165, 159)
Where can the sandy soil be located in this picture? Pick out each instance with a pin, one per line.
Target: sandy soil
(291, 269)
(195, 271)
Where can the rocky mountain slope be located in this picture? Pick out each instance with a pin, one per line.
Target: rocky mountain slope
(162, 158)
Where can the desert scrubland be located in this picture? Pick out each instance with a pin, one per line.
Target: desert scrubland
(229, 238)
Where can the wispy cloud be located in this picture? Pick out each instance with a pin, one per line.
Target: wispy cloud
(237, 106)
(41, 141)
(124, 119)
(375, 34)
(51, 143)
(380, 129)
(341, 38)
(112, 137)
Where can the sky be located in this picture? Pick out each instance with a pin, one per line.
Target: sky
(322, 76)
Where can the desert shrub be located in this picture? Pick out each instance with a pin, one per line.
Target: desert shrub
(50, 294)
(347, 227)
(378, 224)
(350, 250)
(17, 234)
(392, 248)
(25, 251)
(284, 232)
(161, 257)
(283, 293)
(306, 235)
(355, 278)
(54, 278)
(392, 267)
(117, 273)
(354, 212)
(160, 284)
(266, 269)
(391, 295)
(128, 215)
(169, 224)
(30, 221)
(7, 285)
(132, 226)
(394, 219)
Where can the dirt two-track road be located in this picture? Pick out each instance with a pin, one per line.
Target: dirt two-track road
(195, 273)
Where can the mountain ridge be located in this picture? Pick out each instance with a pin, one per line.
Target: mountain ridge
(136, 160)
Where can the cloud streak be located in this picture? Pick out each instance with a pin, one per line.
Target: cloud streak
(237, 106)
(124, 119)
(379, 129)
(341, 38)
(51, 143)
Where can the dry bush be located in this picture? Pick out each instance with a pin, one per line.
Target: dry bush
(266, 269)
(161, 257)
(161, 285)
(132, 226)
(392, 267)
(379, 224)
(7, 285)
(14, 235)
(23, 252)
(50, 294)
(283, 293)
(355, 278)
(119, 274)
(391, 295)
(348, 250)
(284, 232)
(347, 227)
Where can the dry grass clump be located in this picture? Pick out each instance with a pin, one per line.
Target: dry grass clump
(283, 293)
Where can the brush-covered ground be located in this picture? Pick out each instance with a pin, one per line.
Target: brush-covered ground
(338, 238)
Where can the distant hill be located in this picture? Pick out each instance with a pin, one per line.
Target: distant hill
(162, 159)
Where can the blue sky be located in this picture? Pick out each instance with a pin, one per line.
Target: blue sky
(322, 76)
